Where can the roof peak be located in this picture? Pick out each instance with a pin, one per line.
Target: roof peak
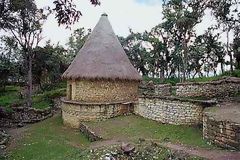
(104, 15)
(102, 57)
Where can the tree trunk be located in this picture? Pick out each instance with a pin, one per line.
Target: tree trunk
(162, 77)
(29, 96)
(229, 53)
(222, 69)
(184, 59)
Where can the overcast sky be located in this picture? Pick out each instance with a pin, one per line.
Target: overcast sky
(140, 15)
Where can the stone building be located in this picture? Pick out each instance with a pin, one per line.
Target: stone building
(101, 81)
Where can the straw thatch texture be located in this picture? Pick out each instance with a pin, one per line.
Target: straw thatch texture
(102, 57)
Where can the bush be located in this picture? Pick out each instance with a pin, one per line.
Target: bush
(49, 87)
(172, 80)
(235, 73)
(55, 93)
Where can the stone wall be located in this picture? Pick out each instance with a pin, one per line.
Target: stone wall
(223, 133)
(89, 133)
(74, 112)
(99, 91)
(30, 115)
(172, 110)
(221, 88)
(155, 89)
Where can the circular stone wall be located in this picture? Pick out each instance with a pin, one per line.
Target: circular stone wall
(221, 126)
(99, 91)
(73, 112)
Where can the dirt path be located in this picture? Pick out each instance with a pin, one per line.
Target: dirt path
(16, 135)
(211, 154)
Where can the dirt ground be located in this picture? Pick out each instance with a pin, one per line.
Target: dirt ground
(229, 111)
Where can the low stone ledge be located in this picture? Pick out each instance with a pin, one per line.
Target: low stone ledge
(204, 103)
(92, 136)
(64, 100)
(30, 115)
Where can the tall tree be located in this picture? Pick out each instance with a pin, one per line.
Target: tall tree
(227, 14)
(23, 20)
(236, 46)
(180, 18)
(133, 45)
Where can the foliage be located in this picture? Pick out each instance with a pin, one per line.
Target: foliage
(236, 46)
(171, 80)
(66, 12)
(23, 20)
(9, 61)
(49, 62)
(75, 42)
(235, 73)
(227, 14)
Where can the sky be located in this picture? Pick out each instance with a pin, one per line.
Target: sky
(139, 15)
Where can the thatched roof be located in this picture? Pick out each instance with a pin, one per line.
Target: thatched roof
(102, 57)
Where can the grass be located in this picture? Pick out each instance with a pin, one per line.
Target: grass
(205, 79)
(134, 127)
(9, 97)
(40, 101)
(172, 81)
(49, 140)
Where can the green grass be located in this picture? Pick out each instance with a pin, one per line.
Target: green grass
(172, 81)
(49, 140)
(204, 79)
(134, 127)
(40, 101)
(10, 96)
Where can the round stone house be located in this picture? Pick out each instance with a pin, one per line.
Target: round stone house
(101, 81)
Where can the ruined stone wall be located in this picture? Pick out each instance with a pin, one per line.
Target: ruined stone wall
(171, 110)
(155, 90)
(220, 88)
(92, 136)
(74, 112)
(104, 91)
(225, 134)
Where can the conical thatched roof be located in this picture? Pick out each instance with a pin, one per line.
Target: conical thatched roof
(102, 57)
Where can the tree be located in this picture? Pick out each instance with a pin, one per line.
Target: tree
(8, 60)
(49, 63)
(65, 10)
(236, 46)
(160, 43)
(133, 45)
(23, 20)
(76, 41)
(227, 14)
(180, 18)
